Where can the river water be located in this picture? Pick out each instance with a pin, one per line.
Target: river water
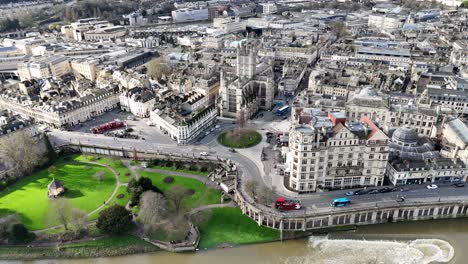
(437, 241)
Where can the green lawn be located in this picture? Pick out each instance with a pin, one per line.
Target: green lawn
(123, 201)
(124, 173)
(112, 246)
(28, 197)
(240, 139)
(202, 196)
(199, 173)
(229, 225)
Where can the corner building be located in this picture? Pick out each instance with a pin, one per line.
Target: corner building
(327, 152)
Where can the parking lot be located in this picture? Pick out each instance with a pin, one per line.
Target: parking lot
(139, 126)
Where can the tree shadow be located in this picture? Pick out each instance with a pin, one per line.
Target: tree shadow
(73, 194)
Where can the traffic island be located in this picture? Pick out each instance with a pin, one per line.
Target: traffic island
(240, 138)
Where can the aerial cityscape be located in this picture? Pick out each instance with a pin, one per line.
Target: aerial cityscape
(286, 131)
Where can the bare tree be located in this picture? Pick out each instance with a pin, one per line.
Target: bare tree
(157, 69)
(266, 195)
(241, 119)
(22, 151)
(59, 210)
(152, 210)
(79, 219)
(338, 28)
(251, 187)
(175, 196)
(99, 175)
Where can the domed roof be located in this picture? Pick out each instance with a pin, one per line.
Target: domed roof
(405, 134)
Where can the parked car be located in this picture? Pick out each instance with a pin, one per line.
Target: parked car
(385, 190)
(459, 184)
(349, 193)
(360, 192)
(373, 191)
(232, 150)
(204, 153)
(400, 199)
(432, 186)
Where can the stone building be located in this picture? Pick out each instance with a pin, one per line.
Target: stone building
(251, 88)
(55, 188)
(414, 160)
(327, 152)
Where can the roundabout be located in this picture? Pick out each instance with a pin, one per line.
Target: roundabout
(240, 138)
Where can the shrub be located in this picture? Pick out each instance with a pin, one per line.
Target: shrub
(193, 167)
(114, 220)
(169, 163)
(128, 174)
(99, 175)
(168, 179)
(179, 165)
(190, 192)
(155, 162)
(19, 234)
(203, 169)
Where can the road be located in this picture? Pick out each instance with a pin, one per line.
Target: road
(250, 166)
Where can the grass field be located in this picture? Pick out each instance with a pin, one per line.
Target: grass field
(28, 197)
(202, 196)
(116, 164)
(113, 246)
(123, 201)
(244, 138)
(229, 225)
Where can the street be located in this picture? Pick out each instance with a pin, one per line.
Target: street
(250, 166)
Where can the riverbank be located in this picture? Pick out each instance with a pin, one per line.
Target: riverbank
(105, 247)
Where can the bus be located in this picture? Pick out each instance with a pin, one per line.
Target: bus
(339, 202)
(283, 110)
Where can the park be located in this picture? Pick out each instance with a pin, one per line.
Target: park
(28, 199)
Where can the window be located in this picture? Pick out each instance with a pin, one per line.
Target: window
(367, 180)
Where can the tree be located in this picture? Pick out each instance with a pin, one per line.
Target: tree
(175, 196)
(114, 220)
(152, 210)
(266, 195)
(79, 220)
(99, 175)
(240, 119)
(251, 187)
(5, 225)
(156, 69)
(22, 151)
(338, 29)
(59, 210)
(19, 234)
(136, 187)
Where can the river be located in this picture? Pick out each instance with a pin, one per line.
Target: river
(402, 243)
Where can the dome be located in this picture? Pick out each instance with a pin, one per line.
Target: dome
(405, 135)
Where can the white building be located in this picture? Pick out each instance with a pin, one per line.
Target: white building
(184, 117)
(188, 15)
(54, 66)
(385, 22)
(267, 8)
(65, 113)
(413, 160)
(138, 101)
(459, 55)
(327, 152)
